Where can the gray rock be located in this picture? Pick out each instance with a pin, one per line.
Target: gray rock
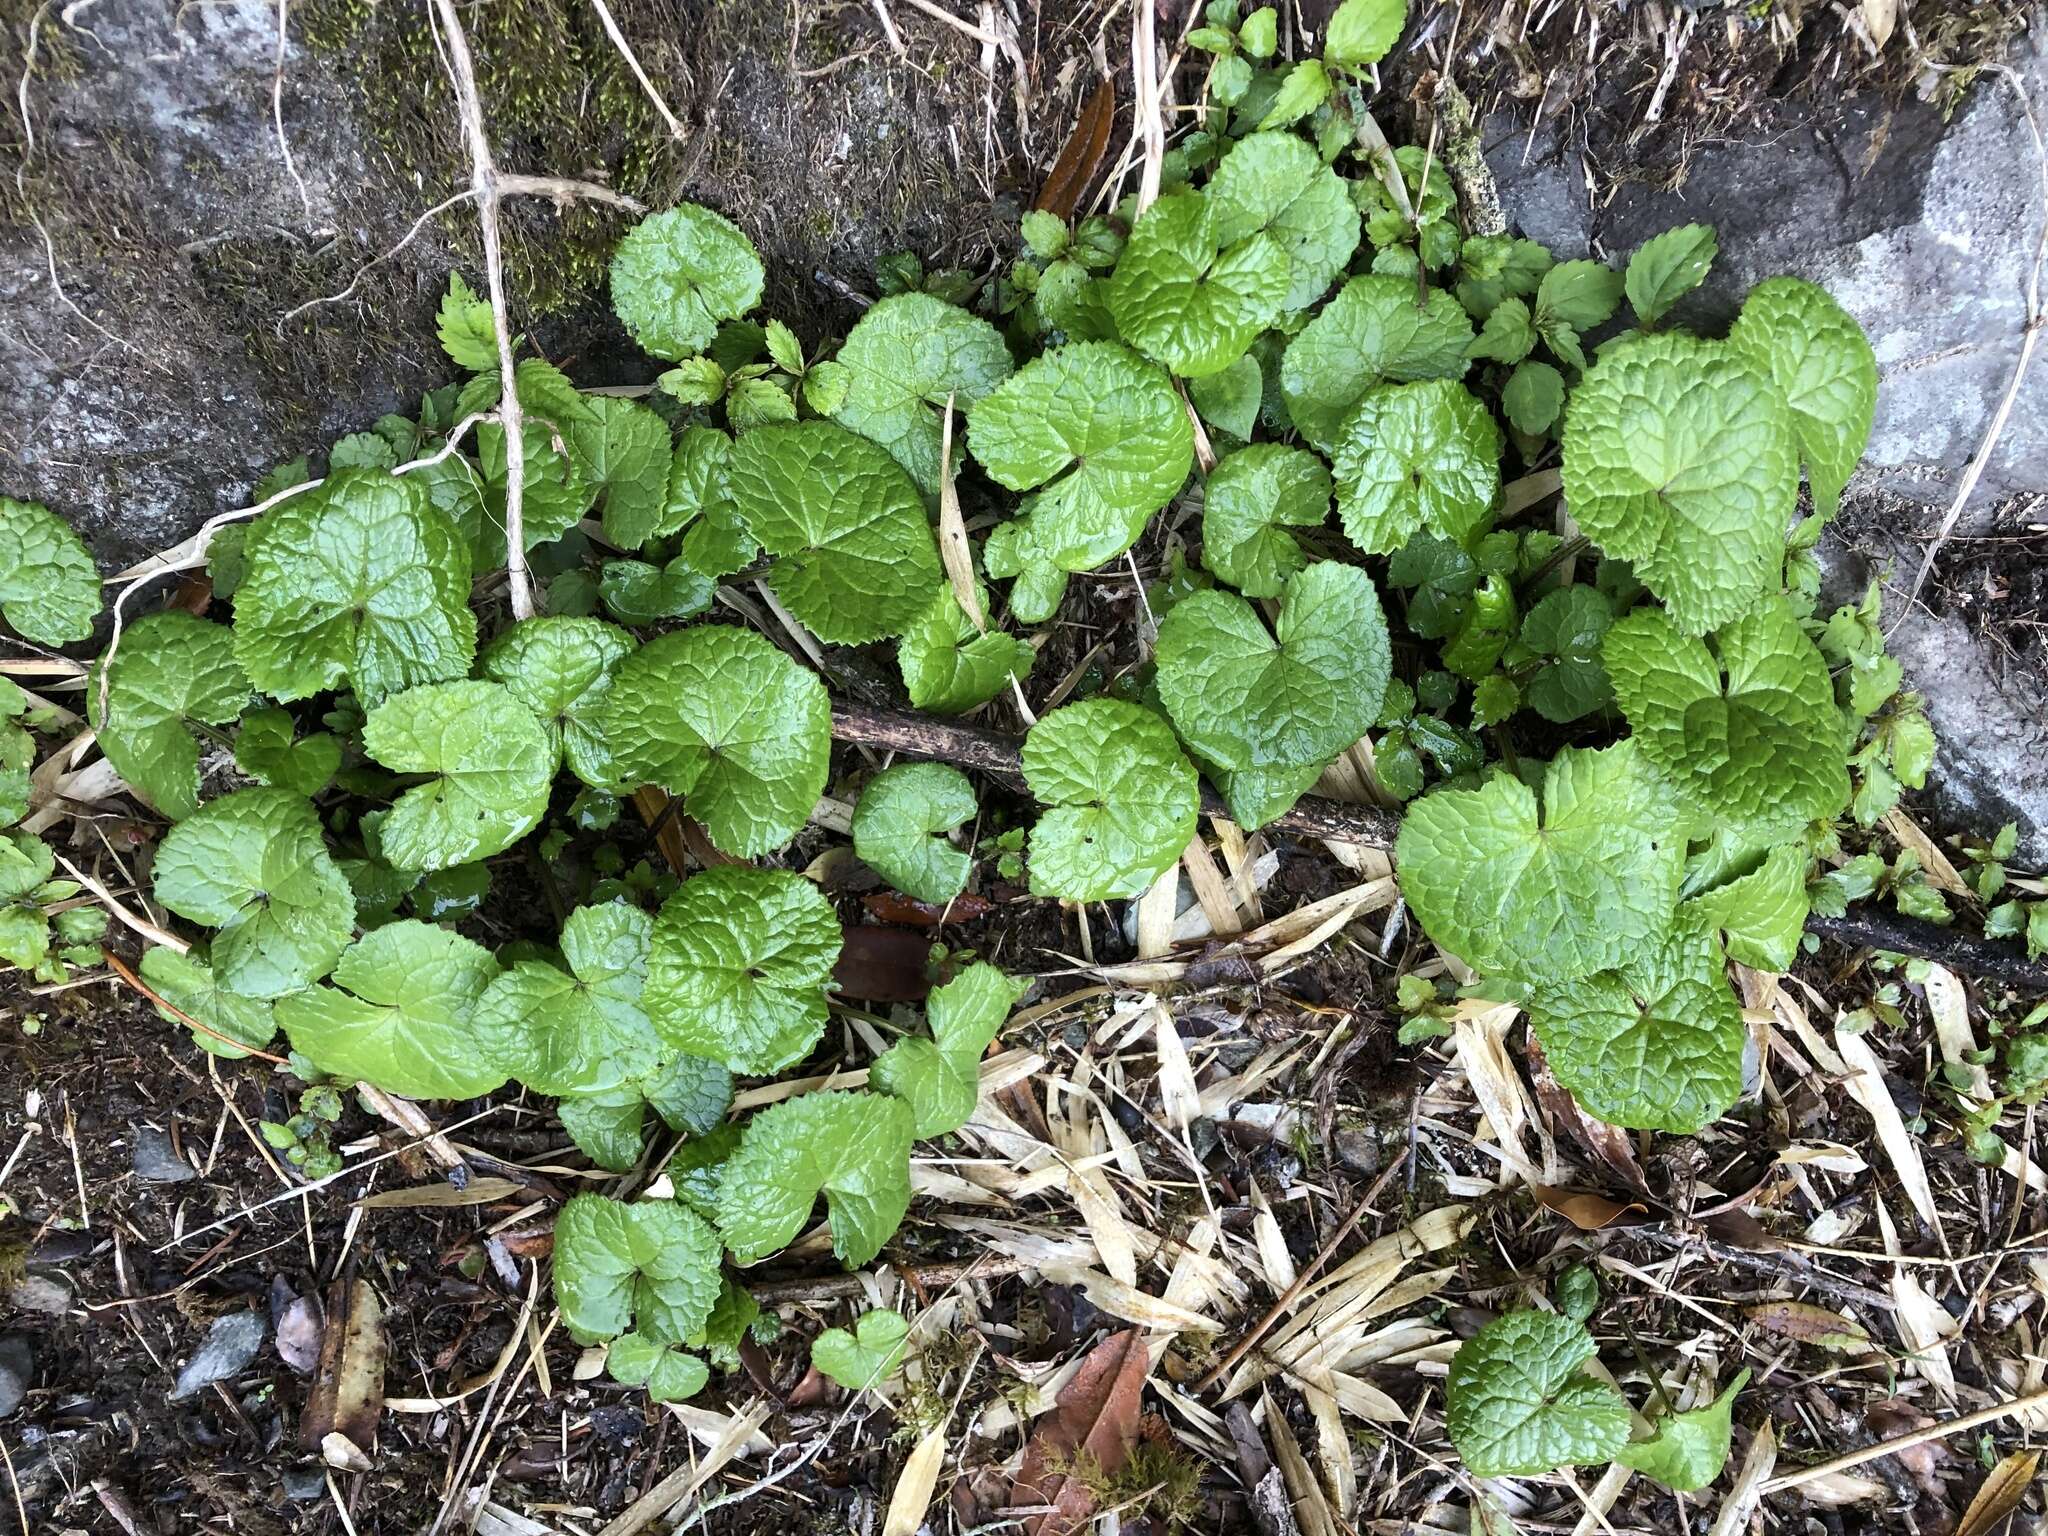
(230, 1344)
(156, 1161)
(1924, 231)
(17, 1370)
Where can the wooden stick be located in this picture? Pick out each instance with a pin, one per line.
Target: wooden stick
(995, 753)
(1906, 1442)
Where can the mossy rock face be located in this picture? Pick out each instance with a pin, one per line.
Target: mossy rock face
(557, 97)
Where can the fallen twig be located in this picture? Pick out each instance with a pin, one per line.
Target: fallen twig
(996, 754)
(1968, 954)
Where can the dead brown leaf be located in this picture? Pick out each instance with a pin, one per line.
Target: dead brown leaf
(1096, 1416)
(895, 907)
(1588, 1212)
(1808, 1324)
(348, 1386)
(1082, 156)
(1607, 1144)
(883, 965)
(1999, 1494)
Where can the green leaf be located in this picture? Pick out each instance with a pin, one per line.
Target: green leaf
(1413, 456)
(1494, 698)
(1276, 184)
(362, 450)
(867, 1355)
(677, 274)
(1678, 458)
(903, 359)
(1519, 1405)
(623, 449)
(606, 1127)
(1100, 439)
(1655, 1044)
(755, 403)
(1584, 887)
(940, 1078)
(1507, 336)
(1120, 800)
(783, 347)
(1229, 401)
(668, 1373)
(1247, 701)
(949, 667)
(1666, 267)
(1045, 234)
(554, 491)
(1363, 32)
(1533, 397)
(24, 938)
(1258, 795)
(635, 592)
(699, 485)
(1305, 87)
(1793, 333)
(468, 334)
(401, 1015)
(583, 1030)
(1260, 33)
(49, 586)
(25, 863)
(1568, 626)
(723, 718)
(694, 381)
(253, 864)
(698, 1168)
(900, 827)
(1186, 299)
(739, 967)
(691, 1094)
(561, 669)
(188, 984)
(1579, 294)
(265, 749)
(494, 770)
(1748, 731)
(1372, 332)
(854, 1148)
(653, 1264)
(361, 582)
(857, 561)
(1763, 913)
(171, 671)
(1686, 1451)
(1253, 496)
(826, 386)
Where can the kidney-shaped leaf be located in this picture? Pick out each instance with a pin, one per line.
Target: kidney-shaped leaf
(560, 668)
(1795, 334)
(1752, 735)
(900, 827)
(1252, 498)
(1120, 800)
(1518, 1403)
(1101, 441)
(652, 1263)
(171, 669)
(855, 557)
(1185, 298)
(188, 984)
(580, 1030)
(1244, 699)
(739, 965)
(1414, 456)
(361, 581)
(1275, 183)
(401, 1014)
(492, 764)
(949, 666)
(904, 358)
(1372, 332)
(1686, 1451)
(49, 587)
(254, 865)
(1679, 456)
(865, 1355)
(677, 274)
(721, 717)
(853, 1148)
(1585, 886)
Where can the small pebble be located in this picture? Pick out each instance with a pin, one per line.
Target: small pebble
(155, 1160)
(231, 1343)
(17, 1366)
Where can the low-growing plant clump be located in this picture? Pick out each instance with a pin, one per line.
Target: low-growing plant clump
(1567, 609)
